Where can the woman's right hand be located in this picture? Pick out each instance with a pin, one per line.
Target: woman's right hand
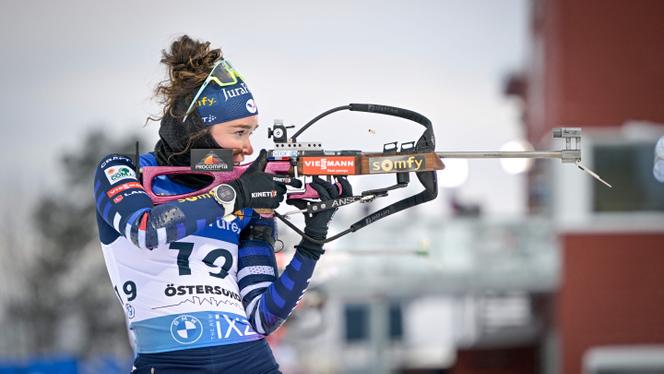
(258, 189)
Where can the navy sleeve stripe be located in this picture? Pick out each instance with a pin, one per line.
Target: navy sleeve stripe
(296, 263)
(270, 319)
(99, 199)
(271, 306)
(258, 261)
(246, 281)
(286, 281)
(276, 297)
(255, 251)
(251, 295)
(107, 208)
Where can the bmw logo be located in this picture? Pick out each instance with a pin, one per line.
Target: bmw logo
(186, 329)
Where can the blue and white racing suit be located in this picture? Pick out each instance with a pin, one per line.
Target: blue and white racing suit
(188, 278)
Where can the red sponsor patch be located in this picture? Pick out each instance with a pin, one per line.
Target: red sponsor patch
(123, 187)
(118, 199)
(323, 165)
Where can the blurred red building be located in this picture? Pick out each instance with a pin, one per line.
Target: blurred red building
(598, 65)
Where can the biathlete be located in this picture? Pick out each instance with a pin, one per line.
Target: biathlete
(197, 277)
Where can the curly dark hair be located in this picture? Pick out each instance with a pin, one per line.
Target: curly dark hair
(189, 62)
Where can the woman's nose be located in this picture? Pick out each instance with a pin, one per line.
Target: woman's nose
(247, 149)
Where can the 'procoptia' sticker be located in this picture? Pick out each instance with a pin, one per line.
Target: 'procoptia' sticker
(211, 159)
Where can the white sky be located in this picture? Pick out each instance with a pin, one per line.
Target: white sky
(68, 65)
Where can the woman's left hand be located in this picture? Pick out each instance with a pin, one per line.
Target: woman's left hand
(316, 224)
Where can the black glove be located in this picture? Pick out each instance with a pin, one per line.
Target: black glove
(258, 189)
(316, 224)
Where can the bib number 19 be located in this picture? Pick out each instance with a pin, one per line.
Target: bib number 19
(184, 252)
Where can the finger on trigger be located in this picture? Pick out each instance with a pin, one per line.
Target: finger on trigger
(298, 203)
(323, 193)
(331, 189)
(346, 188)
(295, 183)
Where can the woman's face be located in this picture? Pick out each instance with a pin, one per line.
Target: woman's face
(235, 135)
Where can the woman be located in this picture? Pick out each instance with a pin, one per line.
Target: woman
(197, 277)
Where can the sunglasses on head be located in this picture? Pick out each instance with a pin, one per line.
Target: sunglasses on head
(223, 74)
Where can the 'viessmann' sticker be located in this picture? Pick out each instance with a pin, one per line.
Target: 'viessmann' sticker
(393, 164)
(337, 165)
(123, 187)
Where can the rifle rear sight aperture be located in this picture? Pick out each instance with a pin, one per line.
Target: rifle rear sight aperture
(278, 132)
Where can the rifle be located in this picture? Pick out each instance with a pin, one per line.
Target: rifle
(295, 159)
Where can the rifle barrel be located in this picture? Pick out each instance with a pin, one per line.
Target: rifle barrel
(500, 154)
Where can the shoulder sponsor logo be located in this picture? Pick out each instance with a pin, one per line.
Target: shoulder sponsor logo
(115, 174)
(328, 165)
(123, 187)
(114, 158)
(393, 164)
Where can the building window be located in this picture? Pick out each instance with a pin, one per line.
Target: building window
(395, 322)
(628, 167)
(356, 318)
(357, 321)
